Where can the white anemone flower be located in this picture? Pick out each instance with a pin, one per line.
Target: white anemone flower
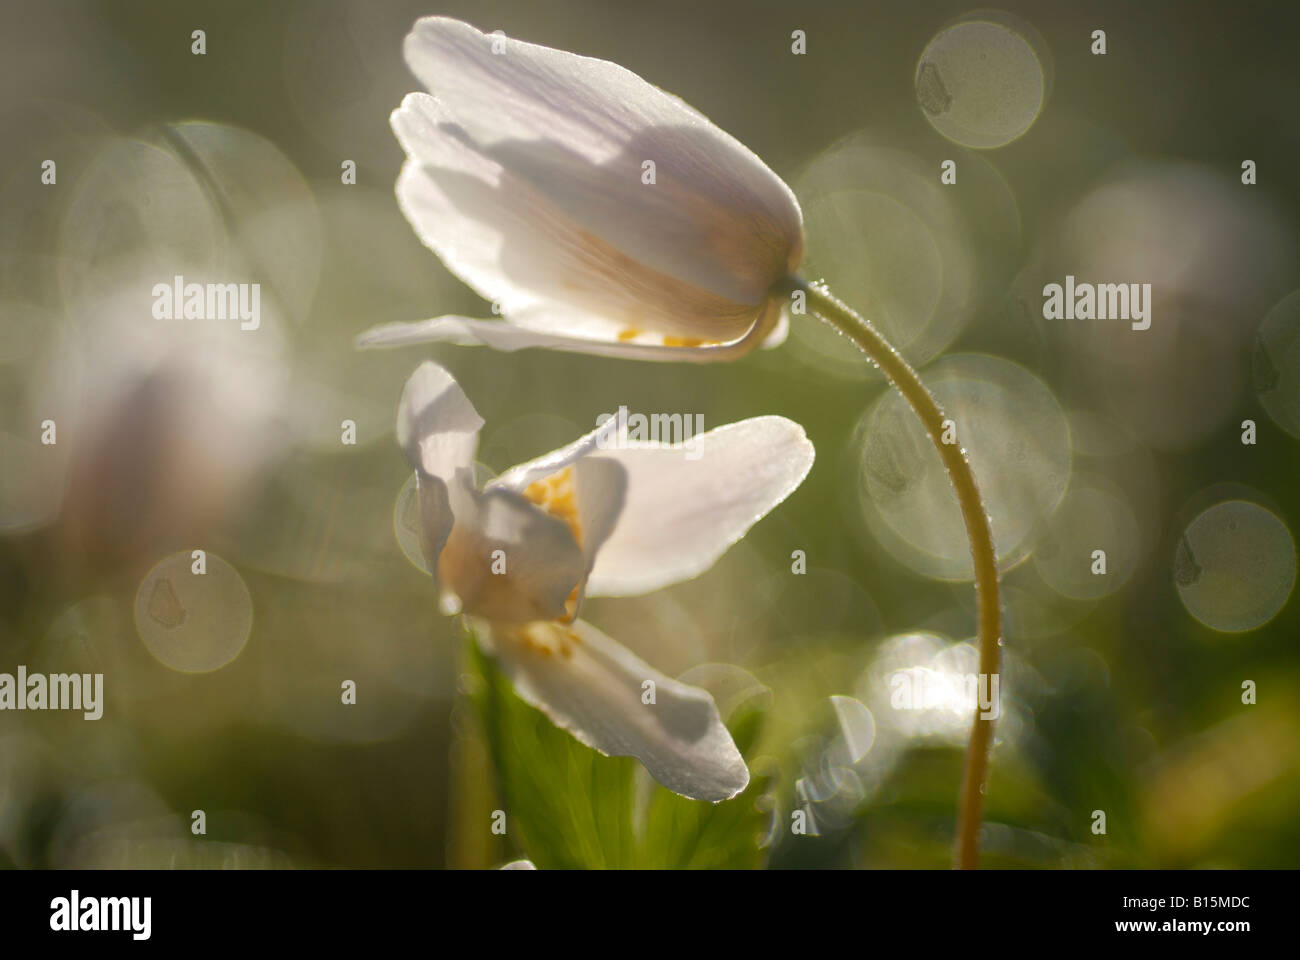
(518, 556)
(602, 215)
(598, 213)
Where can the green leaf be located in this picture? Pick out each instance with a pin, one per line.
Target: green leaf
(690, 834)
(568, 806)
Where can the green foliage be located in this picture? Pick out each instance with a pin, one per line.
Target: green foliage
(568, 806)
(690, 834)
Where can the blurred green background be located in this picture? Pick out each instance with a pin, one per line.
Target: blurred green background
(1122, 692)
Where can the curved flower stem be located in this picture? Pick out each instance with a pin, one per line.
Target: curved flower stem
(823, 303)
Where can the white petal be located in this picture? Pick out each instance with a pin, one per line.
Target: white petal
(518, 865)
(437, 426)
(580, 129)
(680, 515)
(489, 229)
(543, 563)
(519, 477)
(780, 331)
(436, 518)
(592, 687)
(598, 486)
(768, 331)
(508, 239)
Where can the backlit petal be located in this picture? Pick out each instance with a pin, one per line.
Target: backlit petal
(585, 491)
(437, 428)
(597, 690)
(507, 238)
(768, 331)
(681, 514)
(505, 559)
(580, 130)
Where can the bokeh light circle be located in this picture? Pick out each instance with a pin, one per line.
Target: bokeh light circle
(137, 208)
(1235, 566)
(1017, 438)
(857, 727)
(889, 239)
(268, 209)
(1088, 519)
(890, 249)
(192, 622)
(406, 524)
(982, 83)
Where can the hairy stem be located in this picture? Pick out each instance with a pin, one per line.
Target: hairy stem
(825, 305)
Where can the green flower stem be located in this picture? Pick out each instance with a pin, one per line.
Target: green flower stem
(825, 305)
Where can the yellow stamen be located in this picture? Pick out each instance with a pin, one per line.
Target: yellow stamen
(555, 494)
(546, 638)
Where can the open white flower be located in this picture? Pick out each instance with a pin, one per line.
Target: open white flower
(527, 172)
(519, 555)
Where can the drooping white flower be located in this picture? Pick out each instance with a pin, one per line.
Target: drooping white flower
(518, 556)
(599, 213)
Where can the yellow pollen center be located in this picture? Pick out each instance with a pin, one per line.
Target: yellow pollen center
(631, 333)
(555, 494)
(547, 638)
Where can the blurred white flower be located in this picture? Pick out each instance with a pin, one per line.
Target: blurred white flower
(518, 556)
(600, 214)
